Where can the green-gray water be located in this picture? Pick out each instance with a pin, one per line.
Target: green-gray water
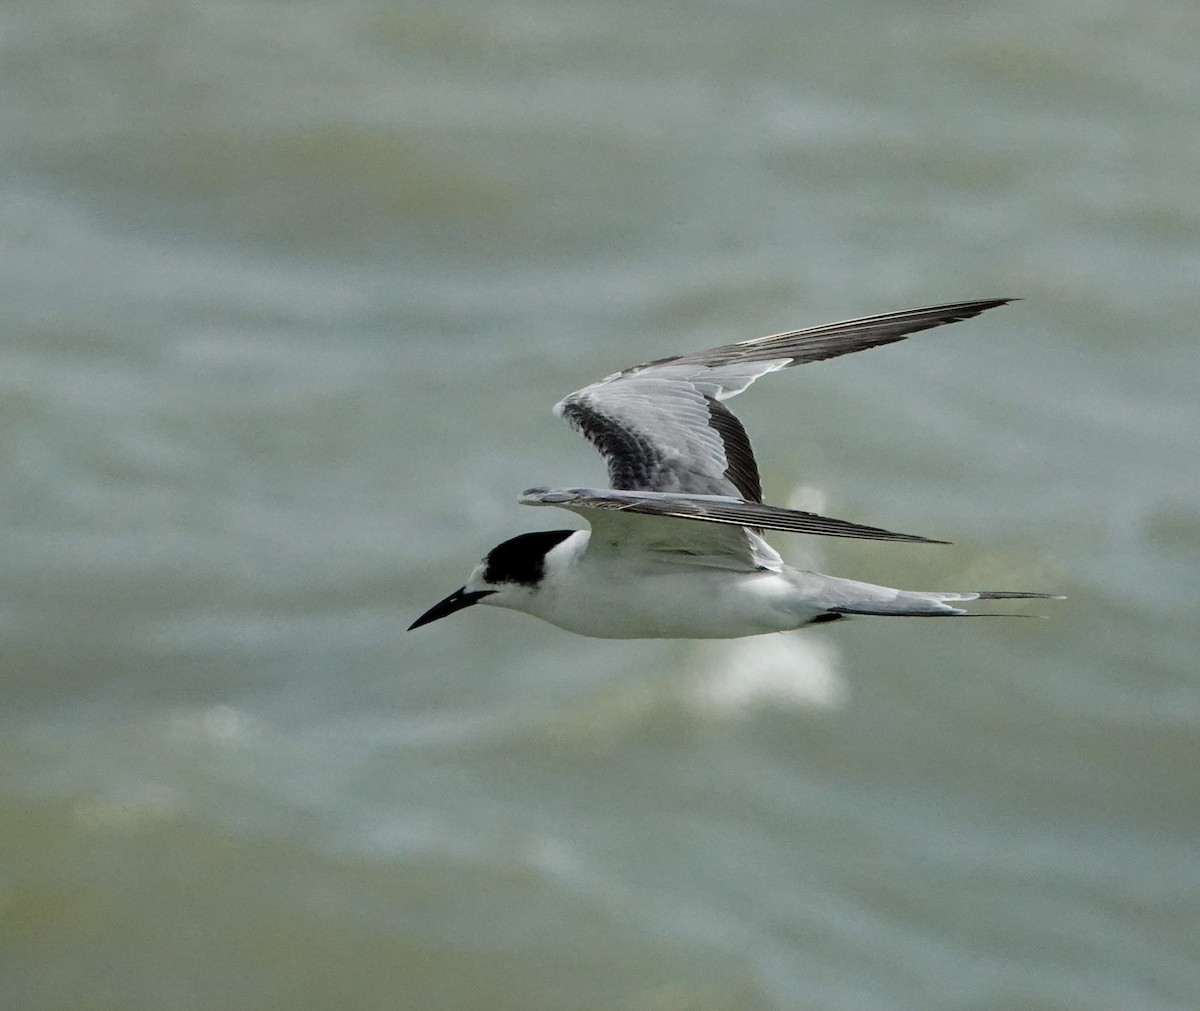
(286, 293)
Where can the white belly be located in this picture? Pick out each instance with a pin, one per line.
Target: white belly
(676, 603)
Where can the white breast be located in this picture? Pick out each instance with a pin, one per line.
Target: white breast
(619, 597)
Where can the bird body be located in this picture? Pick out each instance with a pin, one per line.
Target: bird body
(609, 595)
(676, 546)
(598, 592)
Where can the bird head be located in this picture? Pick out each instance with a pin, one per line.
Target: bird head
(510, 575)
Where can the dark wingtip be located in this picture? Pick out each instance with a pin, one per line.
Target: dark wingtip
(866, 533)
(896, 538)
(971, 309)
(1016, 595)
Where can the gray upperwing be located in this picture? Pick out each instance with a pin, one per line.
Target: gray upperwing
(662, 427)
(714, 509)
(813, 344)
(657, 433)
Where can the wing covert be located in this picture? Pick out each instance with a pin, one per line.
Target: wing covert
(658, 434)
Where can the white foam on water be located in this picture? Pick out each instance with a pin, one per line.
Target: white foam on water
(790, 669)
(219, 724)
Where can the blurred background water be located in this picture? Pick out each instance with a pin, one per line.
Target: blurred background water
(286, 293)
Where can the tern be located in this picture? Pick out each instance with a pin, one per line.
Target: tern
(676, 547)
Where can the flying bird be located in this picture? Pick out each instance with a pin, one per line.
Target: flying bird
(676, 547)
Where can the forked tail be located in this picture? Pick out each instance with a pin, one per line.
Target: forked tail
(921, 604)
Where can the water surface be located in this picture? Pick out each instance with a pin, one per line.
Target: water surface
(287, 293)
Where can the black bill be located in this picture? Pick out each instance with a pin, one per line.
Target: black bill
(459, 599)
